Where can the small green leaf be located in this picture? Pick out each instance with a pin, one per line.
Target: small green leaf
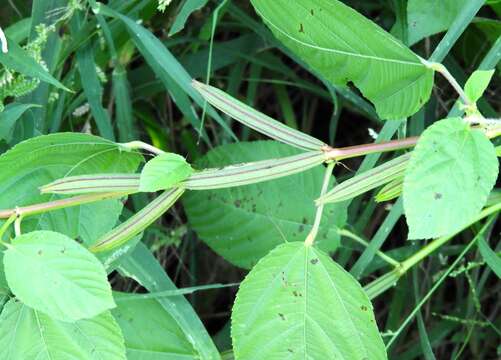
(29, 334)
(449, 177)
(477, 84)
(54, 274)
(163, 172)
(297, 303)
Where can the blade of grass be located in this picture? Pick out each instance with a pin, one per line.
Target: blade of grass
(163, 63)
(91, 85)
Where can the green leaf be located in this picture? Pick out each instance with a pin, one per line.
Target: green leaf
(145, 269)
(344, 46)
(8, 118)
(429, 17)
(449, 177)
(477, 84)
(244, 223)
(163, 172)
(19, 60)
(187, 9)
(491, 258)
(29, 334)
(41, 160)
(54, 274)
(149, 331)
(297, 303)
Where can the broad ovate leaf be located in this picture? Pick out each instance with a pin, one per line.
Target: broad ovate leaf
(477, 84)
(343, 46)
(54, 274)
(163, 172)
(448, 179)
(150, 332)
(297, 303)
(244, 223)
(41, 160)
(30, 334)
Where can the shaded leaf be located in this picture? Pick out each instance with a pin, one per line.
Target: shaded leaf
(244, 223)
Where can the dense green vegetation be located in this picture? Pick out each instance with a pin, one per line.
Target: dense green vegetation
(264, 179)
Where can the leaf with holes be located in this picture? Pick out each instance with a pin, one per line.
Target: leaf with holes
(244, 223)
(342, 45)
(29, 334)
(448, 179)
(54, 274)
(315, 309)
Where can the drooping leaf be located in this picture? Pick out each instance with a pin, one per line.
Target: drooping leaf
(477, 84)
(163, 172)
(8, 118)
(244, 223)
(448, 179)
(429, 17)
(41, 160)
(30, 334)
(187, 9)
(297, 303)
(19, 60)
(149, 331)
(54, 274)
(491, 258)
(343, 46)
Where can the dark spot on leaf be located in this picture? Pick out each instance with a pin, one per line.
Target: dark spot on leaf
(254, 208)
(363, 308)
(314, 261)
(237, 203)
(295, 293)
(282, 316)
(290, 350)
(312, 12)
(305, 221)
(301, 228)
(63, 250)
(301, 28)
(39, 252)
(437, 196)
